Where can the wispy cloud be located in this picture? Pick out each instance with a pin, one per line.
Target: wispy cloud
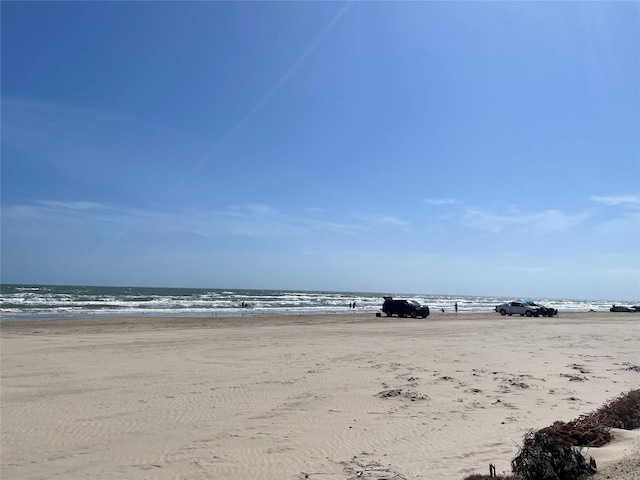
(376, 221)
(626, 225)
(441, 201)
(257, 220)
(247, 220)
(616, 200)
(71, 205)
(536, 222)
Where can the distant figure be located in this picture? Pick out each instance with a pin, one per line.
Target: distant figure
(456, 306)
(354, 304)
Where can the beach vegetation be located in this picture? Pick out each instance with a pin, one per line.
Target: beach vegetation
(477, 476)
(554, 452)
(621, 412)
(551, 454)
(594, 429)
(545, 456)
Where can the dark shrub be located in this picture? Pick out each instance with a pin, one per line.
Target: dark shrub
(545, 457)
(593, 430)
(582, 432)
(550, 453)
(477, 476)
(621, 412)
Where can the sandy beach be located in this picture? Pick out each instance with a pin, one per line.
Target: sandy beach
(292, 397)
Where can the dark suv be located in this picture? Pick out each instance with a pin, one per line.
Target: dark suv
(546, 311)
(402, 308)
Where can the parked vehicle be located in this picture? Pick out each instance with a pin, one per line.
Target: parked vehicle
(404, 308)
(622, 308)
(546, 311)
(519, 308)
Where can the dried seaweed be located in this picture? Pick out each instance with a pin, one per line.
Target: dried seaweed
(478, 476)
(544, 456)
(398, 392)
(582, 432)
(621, 412)
(551, 454)
(594, 429)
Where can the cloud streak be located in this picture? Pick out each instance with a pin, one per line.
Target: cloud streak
(265, 221)
(536, 222)
(71, 205)
(618, 200)
(441, 201)
(247, 220)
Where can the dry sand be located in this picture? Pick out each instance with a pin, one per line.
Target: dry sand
(292, 397)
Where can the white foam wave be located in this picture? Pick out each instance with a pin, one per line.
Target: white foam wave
(51, 301)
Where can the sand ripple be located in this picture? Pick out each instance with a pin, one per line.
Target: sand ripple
(287, 400)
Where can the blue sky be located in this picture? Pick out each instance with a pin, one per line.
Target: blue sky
(465, 148)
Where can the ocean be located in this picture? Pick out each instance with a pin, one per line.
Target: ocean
(33, 302)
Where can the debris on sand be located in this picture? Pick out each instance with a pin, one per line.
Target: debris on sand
(399, 392)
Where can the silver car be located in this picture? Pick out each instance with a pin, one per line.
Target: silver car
(519, 308)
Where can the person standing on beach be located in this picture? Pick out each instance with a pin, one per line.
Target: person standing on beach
(456, 307)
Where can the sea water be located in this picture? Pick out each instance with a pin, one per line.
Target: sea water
(29, 302)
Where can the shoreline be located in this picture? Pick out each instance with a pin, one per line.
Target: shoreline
(64, 302)
(213, 321)
(274, 396)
